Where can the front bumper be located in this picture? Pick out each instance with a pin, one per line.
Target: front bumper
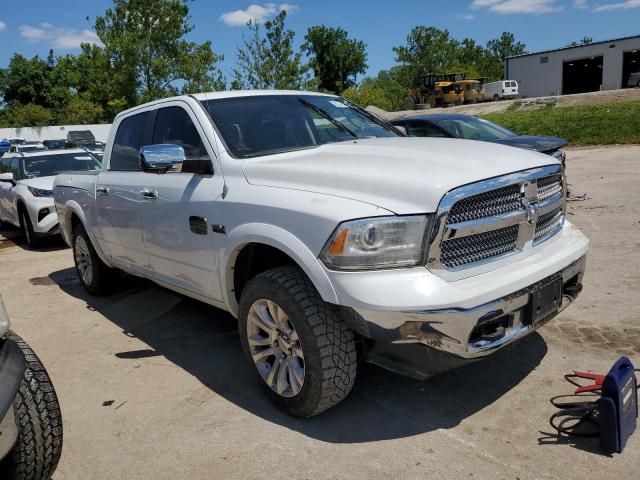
(44, 217)
(12, 367)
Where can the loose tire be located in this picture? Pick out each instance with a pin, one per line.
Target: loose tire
(409, 103)
(27, 228)
(306, 323)
(96, 277)
(37, 450)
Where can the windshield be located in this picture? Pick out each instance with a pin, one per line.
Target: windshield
(472, 128)
(49, 165)
(265, 124)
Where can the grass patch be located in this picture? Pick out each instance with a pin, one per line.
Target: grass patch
(515, 105)
(584, 125)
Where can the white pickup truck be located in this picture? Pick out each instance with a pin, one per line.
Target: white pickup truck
(327, 233)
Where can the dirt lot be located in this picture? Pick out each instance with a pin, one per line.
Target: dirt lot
(576, 100)
(153, 385)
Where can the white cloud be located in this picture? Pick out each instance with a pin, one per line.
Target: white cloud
(629, 4)
(506, 7)
(581, 4)
(62, 38)
(2, 25)
(256, 13)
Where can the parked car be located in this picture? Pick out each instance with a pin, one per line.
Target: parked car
(56, 144)
(4, 147)
(634, 80)
(27, 147)
(502, 90)
(30, 418)
(324, 230)
(26, 184)
(473, 128)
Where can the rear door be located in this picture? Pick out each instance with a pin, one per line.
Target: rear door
(177, 217)
(5, 191)
(118, 197)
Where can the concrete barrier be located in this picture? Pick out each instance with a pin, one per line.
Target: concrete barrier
(100, 131)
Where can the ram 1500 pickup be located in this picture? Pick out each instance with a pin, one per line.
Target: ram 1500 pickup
(330, 235)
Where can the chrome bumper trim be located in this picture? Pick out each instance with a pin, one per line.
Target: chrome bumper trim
(449, 330)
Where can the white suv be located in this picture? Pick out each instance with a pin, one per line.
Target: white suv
(26, 184)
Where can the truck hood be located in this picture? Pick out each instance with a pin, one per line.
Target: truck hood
(403, 175)
(44, 183)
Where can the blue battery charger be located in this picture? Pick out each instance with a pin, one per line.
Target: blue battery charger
(618, 406)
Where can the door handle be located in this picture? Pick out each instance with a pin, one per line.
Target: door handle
(148, 193)
(102, 190)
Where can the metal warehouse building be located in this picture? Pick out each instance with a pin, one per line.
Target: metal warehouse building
(585, 68)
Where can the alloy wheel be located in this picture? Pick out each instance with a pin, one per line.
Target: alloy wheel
(275, 347)
(83, 260)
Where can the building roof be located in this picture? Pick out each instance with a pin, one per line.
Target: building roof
(575, 46)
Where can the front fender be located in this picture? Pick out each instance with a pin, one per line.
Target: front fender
(278, 238)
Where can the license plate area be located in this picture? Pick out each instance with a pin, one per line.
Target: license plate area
(544, 300)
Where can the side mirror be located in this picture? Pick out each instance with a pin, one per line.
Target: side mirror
(162, 158)
(402, 129)
(7, 177)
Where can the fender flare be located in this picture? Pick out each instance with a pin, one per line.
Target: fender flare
(282, 240)
(73, 208)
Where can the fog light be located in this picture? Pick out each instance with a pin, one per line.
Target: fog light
(43, 213)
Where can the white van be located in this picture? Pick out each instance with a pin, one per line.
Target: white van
(505, 89)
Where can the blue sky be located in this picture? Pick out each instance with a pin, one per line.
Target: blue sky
(32, 27)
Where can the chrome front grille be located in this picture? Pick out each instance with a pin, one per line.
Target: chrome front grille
(489, 220)
(475, 248)
(549, 186)
(486, 204)
(548, 224)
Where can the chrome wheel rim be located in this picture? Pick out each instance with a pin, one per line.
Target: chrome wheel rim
(83, 260)
(275, 347)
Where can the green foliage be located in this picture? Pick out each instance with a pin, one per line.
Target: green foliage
(335, 59)
(29, 115)
(368, 94)
(269, 61)
(79, 111)
(584, 41)
(584, 125)
(147, 54)
(515, 105)
(26, 81)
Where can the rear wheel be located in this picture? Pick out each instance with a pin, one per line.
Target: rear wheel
(96, 277)
(27, 229)
(37, 450)
(302, 351)
(496, 97)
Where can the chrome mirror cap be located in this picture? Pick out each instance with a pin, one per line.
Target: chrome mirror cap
(162, 158)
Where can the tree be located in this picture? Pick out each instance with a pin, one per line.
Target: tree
(26, 81)
(269, 60)
(501, 48)
(584, 41)
(147, 54)
(335, 59)
(17, 115)
(427, 50)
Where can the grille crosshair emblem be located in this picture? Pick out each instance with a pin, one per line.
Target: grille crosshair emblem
(531, 209)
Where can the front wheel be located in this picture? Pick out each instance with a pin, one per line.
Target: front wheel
(37, 450)
(301, 349)
(27, 229)
(96, 277)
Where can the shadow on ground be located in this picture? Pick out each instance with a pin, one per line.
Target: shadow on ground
(11, 236)
(203, 341)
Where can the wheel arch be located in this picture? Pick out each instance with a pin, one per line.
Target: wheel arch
(269, 238)
(74, 215)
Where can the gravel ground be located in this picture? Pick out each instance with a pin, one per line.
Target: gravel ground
(153, 385)
(579, 99)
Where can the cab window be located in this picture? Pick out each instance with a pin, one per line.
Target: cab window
(131, 135)
(15, 168)
(174, 125)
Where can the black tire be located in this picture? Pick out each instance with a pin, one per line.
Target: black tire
(37, 450)
(327, 341)
(27, 228)
(496, 97)
(409, 103)
(103, 278)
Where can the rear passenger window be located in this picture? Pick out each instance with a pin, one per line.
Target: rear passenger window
(15, 168)
(173, 125)
(424, 130)
(4, 165)
(126, 146)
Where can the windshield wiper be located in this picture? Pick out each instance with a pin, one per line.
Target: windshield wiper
(374, 118)
(324, 114)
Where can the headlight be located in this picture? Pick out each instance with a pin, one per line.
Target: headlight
(376, 243)
(40, 192)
